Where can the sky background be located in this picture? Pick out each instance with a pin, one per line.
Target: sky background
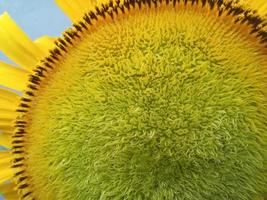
(36, 18)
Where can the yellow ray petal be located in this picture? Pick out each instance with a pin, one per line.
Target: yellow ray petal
(5, 155)
(68, 9)
(17, 45)
(263, 9)
(8, 95)
(76, 9)
(5, 140)
(8, 191)
(7, 114)
(5, 166)
(6, 126)
(259, 5)
(45, 43)
(13, 77)
(6, 120)
(6, 130)
(7, 105)
(8, 101)
(6, 174)
(88, 4)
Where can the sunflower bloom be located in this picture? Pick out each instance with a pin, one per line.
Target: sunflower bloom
(138, 100)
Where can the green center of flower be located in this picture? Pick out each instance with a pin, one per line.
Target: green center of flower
(166, 103)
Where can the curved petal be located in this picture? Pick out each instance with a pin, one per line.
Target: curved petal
(76, 9)
(6, 126)
(5, 140)
(45, 43)
(7, 114)
(13, 77)
(17, 45)
(259, 5)
(5, 166)
(8, 102)
(8, 191)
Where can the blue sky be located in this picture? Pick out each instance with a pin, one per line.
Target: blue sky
(36, 18)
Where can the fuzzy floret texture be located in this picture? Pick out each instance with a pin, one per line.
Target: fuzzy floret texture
(160, 104)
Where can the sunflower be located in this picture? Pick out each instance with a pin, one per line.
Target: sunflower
(139, 99)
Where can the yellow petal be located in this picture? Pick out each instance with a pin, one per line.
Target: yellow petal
(68, 9)
(6, 130)
(8, 95)
(8, 191)
(17, 45)
(45, 43)
(76, 9)
(8, 114)
(6, 174)
(9, 102)
(4, 155)
(5, 140)
(263, 9)
(259, 5)
(6, 126)
(5, 166)
(13, 77)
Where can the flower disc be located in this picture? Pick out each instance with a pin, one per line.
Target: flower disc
(158, 102)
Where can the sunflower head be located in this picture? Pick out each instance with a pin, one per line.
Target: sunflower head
(160, 99)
